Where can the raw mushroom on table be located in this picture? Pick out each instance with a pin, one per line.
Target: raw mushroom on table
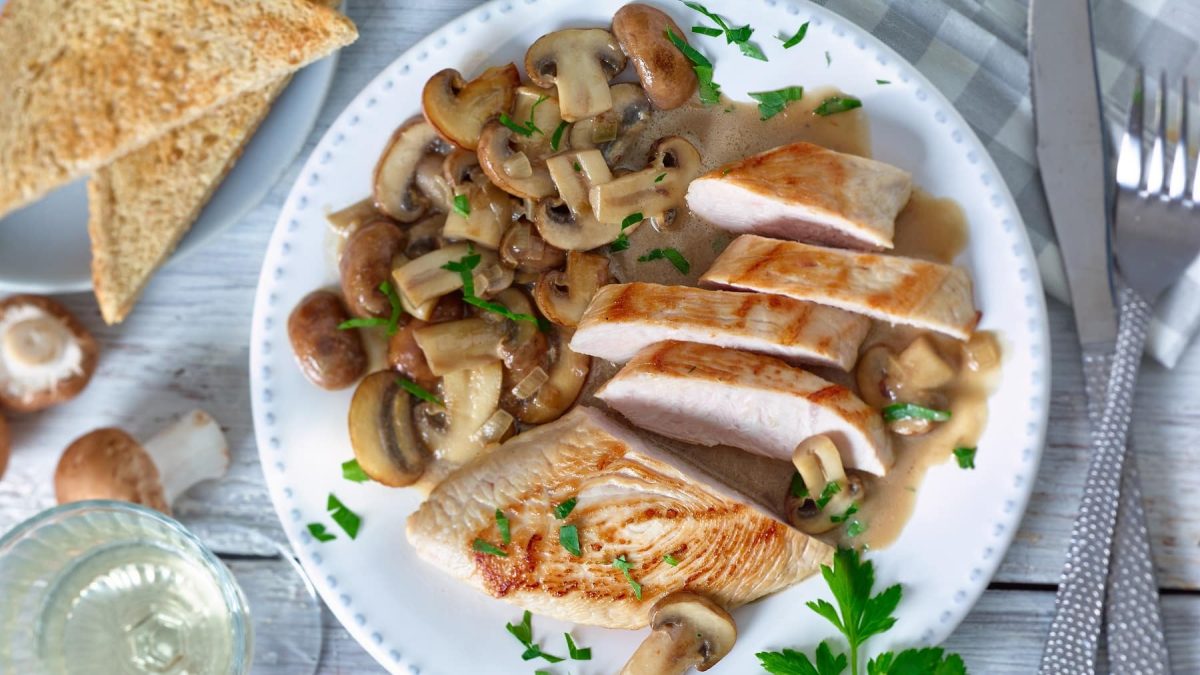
(46, 356)
(687, 631)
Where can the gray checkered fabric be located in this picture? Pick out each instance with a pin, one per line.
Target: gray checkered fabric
(975, 52)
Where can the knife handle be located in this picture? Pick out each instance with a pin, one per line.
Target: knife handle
(1079, 603)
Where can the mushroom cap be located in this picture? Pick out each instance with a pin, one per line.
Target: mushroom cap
(563, 228)
(496, 148)
(46, 355)
(109, 464)
(5, 445)
(580, 62)
(665, 73)
(394, 185)
(459, 109)
(688, 611)
(562, 296)
(382, 432)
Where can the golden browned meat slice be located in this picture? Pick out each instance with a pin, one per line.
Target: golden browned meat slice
(635, 502)
(714, 396)
(624, 318)
(884, 287)
(807, 193)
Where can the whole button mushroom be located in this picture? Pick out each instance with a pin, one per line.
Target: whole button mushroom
(689, 631)
(110, 464)
(665, 73)
(329, 357)
(580, 62)
(46, 355)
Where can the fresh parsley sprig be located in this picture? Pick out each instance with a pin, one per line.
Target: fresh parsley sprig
(524, 633)
(739, 36)
(529, 127)
(625, 566)
(710, 92)
(464, 267)
(391, 322)
(771, 103)
(796, 38)
(837, 104)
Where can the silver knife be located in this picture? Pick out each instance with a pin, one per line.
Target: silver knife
(1071, 154)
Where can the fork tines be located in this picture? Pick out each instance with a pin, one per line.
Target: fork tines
(1155, 175)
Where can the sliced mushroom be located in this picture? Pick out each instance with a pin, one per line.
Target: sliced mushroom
(457, 433)
(568, 371)
(575, 174)
(382, 431)
(110, 464)
(347, 220)
(656, 191)
(366, 262)
(431, 181)
(917, 375)
(395, 189)
(524, 249)
(487, 216)
(46, 356)
(459, 109)
(524, 346)
(457, 345)
(819, 464)
(580, 63)
(924, 368)
(538, 108)
(665, 73)
(569, 230)
(423, 279)
(688, 631)
(497, 152)
(425, 236)
(562, 296)
(615, 130)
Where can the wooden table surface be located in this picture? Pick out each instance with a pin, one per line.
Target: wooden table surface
(186, 346)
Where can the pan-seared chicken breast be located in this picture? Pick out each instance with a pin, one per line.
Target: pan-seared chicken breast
(807, 193)
(624, 318)
(715, 396)
(889, 288)
(633, 501)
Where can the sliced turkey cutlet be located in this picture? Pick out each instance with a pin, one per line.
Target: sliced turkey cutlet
(807, 193)
(889, 288)
(624, 318)
(634, 501)
(715, 396)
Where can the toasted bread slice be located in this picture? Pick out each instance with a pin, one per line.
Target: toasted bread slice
(88, 82)
(141, 205)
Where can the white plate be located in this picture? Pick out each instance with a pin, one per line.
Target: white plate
(44, 247)
(408, 614)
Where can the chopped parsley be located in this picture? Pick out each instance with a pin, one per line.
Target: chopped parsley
(855, 528)
(670, 560)
(837, 104)
(797, 38)
(904, 411)
(622, 241)
(464, 267)
(462, 205)
(771, 103)
(619, 244)
(965, 457)
(632, 219)
(564, 509)
(317, 530)
(883, 81)
(556, 137)
(624, 565)
(348, 520)
(798, 489)
(353, 472)
(828, 59)
(577, 166)
(675, 257)
(827, 494)
(524, 633)
(850, 511)
(659, 178)
(739, 36)
(489, 548)
(391, 322)
(705, 30)
(502, 524)
(419, 391)
(529, 127)
(568, 536)
(577, 653)
(710, 92)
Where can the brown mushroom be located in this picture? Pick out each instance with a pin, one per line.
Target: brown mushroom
(562, 296)
(431, 181)
(110, 464)
(459, 109)
(565, 229)
(916, 375)
(579, 62)
(566, 374)
(347, 220)
(5, 445)
(804, 514)
(656, 191)
(665, 73)
(497, 155)
(488, 209)
(404, 355)
(878, 376)
(46, 356)
(382, 431)
(329, 357)
(615, 130)
(394, 181)
(523, 248)
(688, 631)
(366, 262)
(425, 236)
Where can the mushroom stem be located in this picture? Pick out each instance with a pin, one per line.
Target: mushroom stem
(192, 450)
(669, 650)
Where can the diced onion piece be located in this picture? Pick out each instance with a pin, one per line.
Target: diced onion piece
(529, 384)
(494, 428)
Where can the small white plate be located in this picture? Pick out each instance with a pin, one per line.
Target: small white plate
(413, 618)
(44, 247)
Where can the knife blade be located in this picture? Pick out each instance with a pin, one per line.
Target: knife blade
(1071, 154)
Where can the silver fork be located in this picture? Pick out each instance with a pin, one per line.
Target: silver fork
(1157, 236)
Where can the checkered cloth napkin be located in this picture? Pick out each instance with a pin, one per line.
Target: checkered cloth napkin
(974, 51)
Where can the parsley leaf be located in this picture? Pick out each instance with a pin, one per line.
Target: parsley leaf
(659, 178)
(883, 81)
(710, 92)
(704, 10)
(353, 472)
(577, 653)
(419, 391)
(927, 661)
(556, 137)
(796, 39)
(564, 509)
(317, 530)
(855, 528)
(462, 205)
(392, 322)
(850, 511)
(464, 266)
(502, 524)
(798, 489)
(739, 36)
(489, 548)
(965, 457)
(792, 662)
(828, 59)
(827, 494)
(771, 103)
(568, 537)
(524, 634)
(752, 50)
(670, 560)
(904, 411)
(705, 30)
(675, 257)
(529, 124)
(631, 220)
(348, 520)
(624, 565)
(837, 104)
(858, 615)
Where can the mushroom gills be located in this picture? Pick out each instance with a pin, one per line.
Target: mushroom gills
(563, 296)
(459, 109)
(395, 188)
(382, 431)
(36, 351)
